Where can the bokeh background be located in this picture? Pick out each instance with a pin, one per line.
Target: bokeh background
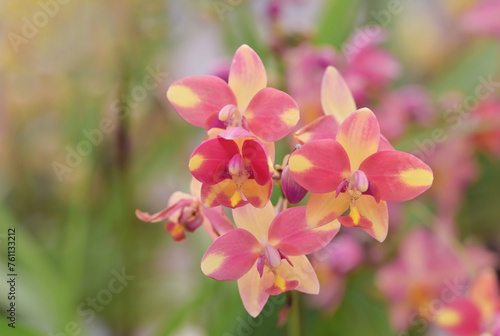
(87, 136)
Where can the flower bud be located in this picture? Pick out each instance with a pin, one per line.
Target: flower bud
(235, 164)
(273, 256)
(359, 180)
(293, 192)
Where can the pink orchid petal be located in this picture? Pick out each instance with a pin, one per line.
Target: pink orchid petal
(218, 222)
(163, 214)
(281, 285)
(272, 114)
(247, 75)
(176, 230)
(354, 219)
(336, 97)
(324, 127)
(195, 189)
(373, 217)
(359, 134)
(290, 234)
(231, 255)
(257, 195)
(400, 176)
(257, 221)
(384, 144)
(224, 193)
(319, 166)
(323, 209)
(180, 196)
(303, 272)
(235, 133)
(196, 98)
(252, 288)
(256, 156)
(209, 161)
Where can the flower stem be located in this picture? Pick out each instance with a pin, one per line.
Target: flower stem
(294, 318)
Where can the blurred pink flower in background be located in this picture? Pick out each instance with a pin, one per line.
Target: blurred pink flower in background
(455, 169)
(398, 108)
(476, 313)
(221, 69)
(487, 121)
(306, 66)
(427, 273)
(333, 264)
(370, 69)
(367, 68)
(483, 18)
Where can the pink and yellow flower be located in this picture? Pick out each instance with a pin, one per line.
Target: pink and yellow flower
(476, 314)
(338, 103)
(235, 169)
(428, 268)
(253, 254)
(185, 212)
(482, 19)
(245, 101)
(350, 172)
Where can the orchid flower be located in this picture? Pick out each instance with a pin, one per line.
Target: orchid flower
(235, 169)
(482, 18)
(253, 254)
(306, 66)
(338, 103)
(245, 101)
(427, 268)
(478, 313)
(185, 212)
(370, 69)
(349, 173)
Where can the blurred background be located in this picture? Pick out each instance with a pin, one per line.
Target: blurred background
(87, 136)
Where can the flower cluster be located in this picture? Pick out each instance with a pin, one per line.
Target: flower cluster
(341, 159)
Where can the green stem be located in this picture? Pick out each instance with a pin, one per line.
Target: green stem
(294, 317)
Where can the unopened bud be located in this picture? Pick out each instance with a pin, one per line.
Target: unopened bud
(359, 180)
(235, 164)
(293, 192)
(273, 256)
